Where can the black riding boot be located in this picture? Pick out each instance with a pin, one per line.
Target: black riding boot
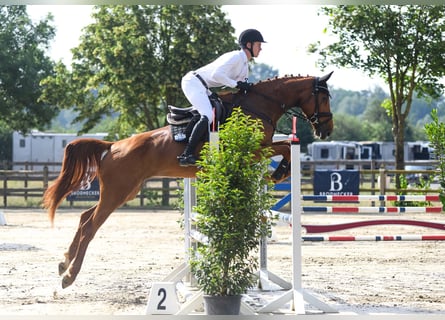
(199, 132)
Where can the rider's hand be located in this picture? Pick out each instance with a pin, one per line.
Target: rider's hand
(244, 86)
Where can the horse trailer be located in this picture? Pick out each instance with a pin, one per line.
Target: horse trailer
(41, 147)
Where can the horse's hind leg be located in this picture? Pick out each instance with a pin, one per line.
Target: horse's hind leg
(87, 231)
(107, 204)
(69, 255)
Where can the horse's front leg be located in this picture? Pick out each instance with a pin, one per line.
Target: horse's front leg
(282, 172)
(70, 254)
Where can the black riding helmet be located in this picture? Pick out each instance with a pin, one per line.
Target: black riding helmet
(249, 35)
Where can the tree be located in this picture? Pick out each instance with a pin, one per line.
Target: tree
(23, 65)
(436, 132)
(348, 127)
(131, 61)
(5, 147)
(402, 44)
(376, 121)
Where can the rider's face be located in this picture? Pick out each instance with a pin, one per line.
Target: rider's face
(256, 48)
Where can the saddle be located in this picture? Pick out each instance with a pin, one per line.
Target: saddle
(179, 116)
(182, 120)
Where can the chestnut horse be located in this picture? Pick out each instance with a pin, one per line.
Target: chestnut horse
(122, 166)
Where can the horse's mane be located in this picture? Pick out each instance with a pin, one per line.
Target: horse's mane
(267, 82)
(277, 79)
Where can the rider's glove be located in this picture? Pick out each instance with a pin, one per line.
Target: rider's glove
(244, 86)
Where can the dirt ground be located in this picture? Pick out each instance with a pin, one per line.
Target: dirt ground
(136, 248)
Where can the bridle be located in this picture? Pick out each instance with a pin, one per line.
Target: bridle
(313, 119)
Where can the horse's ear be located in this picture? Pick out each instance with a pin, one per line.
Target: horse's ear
(326, 77)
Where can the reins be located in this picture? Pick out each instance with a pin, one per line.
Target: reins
(314, 119)
(260, 115)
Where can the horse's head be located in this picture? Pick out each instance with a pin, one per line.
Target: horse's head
(270, 99)
(314, 100)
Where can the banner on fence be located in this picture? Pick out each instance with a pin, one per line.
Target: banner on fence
(336, 182)
(88, 192)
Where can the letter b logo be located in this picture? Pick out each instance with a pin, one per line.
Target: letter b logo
(336, 184)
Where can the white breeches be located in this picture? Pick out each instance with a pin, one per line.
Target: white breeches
(197, 95)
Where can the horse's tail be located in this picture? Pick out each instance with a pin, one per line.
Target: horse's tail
(80, 164)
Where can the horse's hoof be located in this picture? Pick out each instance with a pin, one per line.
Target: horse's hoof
(62, 268)
(282, 171)
(67, 281)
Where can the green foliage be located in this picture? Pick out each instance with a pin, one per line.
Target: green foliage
(367, 107)
(23, 65)
(5, 145)
(399, 43)
(402, 44)
(347, 124)
(421, 112)
(424, 184)
(436, 133)
(131, 60)
(304, 130)
(231, 202)
(153, 197)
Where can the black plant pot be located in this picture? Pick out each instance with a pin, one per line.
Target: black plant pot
(222, 305)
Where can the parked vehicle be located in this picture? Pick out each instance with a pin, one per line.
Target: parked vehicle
(334, 151)
(43, 147)
(380, 152)
(377, 153)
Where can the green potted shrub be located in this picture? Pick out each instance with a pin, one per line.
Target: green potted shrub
(436, 133)
(231, 199)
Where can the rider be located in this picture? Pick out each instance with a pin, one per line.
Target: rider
(230, 70)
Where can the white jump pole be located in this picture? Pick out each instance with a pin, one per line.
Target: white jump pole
(2, 219)
(297, 295)
(298, 303)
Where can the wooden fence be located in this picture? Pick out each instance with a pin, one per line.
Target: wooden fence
(25, 188)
